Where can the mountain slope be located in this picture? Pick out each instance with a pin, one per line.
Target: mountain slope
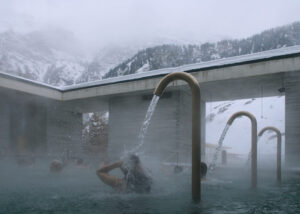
(37, 56)
(55, 58)
(164, 56)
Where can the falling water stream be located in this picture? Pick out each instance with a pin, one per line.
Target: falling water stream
(212, 165)
(146, 123)
(126, 156)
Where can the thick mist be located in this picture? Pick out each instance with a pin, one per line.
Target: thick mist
(51, 151)
(100, 23)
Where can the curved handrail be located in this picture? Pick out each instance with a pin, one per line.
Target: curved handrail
(253, 143)
(196, 149)
(278, 134)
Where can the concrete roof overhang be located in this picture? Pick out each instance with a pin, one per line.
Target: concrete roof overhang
(231, 78)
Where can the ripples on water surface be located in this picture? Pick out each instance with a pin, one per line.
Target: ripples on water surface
(78, 190)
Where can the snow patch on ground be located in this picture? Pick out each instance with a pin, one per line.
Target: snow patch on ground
(268, 112)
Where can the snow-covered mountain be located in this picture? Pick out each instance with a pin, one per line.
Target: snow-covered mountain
(104, 60)
(173, 55)
(40, 56)
(55, 58)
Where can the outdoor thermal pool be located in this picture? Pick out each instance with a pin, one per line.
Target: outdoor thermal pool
(34, 189)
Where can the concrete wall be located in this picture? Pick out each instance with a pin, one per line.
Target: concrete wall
(292, 118)
(22, 123)
(43, 125)
(4, 124)
(63, 128)
(169, 130)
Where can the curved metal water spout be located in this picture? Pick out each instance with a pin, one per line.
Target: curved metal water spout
(253, 143)
(278, 133)
(196, 149)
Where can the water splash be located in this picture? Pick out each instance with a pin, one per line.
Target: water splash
(212, 165)
(146, 124)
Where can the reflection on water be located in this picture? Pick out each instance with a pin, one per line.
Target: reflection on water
(78, 190)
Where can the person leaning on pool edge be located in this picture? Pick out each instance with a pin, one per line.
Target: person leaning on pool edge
(135, 178)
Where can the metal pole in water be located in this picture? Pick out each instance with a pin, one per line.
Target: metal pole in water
(196, 149)
(253, 143)
(278, 133)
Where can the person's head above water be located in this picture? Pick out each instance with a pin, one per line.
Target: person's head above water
(137, 179)
(56, 166)
(131, 162)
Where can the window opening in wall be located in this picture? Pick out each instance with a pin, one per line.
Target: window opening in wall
(95, 133)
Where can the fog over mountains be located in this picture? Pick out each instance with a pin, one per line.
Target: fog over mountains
(57, 58)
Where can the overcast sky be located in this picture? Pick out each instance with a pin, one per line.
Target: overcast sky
(124, 21)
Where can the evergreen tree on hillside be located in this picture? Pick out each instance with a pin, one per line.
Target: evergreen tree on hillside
(95, 133)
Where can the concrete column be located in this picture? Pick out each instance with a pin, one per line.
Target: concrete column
(184, 120)
(4, 125)
(126, 115)
(64, 128)
(169, 131)
(27, 124)
(203, 128)
(292, 118)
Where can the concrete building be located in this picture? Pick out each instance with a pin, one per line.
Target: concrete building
(49, 119)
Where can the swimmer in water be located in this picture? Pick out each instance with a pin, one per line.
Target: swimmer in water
(56, 166)
(135, 178)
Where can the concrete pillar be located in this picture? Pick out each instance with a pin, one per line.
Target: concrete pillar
(184, 120)
(126, 115)
(169, 130)
(64, 128)
(292, 118)
(4, 125)
(27, 124)
(203, 128)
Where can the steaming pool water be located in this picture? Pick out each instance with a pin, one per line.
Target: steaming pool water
(78, 190)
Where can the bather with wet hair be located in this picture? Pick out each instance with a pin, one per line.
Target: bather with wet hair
(135, 178)
(56, 166)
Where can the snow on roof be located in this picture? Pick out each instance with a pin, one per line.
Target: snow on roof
(249, 58)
